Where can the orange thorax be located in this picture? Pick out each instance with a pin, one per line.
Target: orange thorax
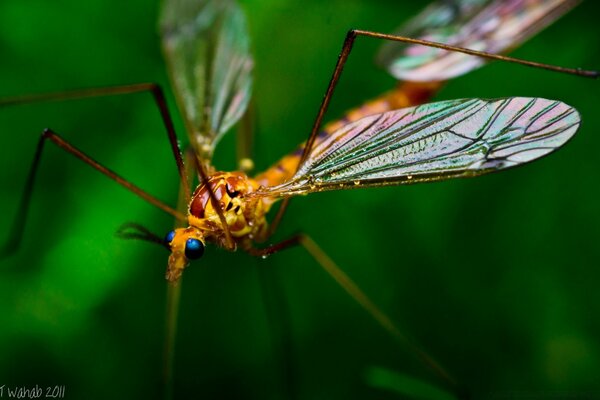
(245, 216)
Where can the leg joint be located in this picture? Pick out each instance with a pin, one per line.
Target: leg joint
(47, 132)
(352, 34)
(156, 90)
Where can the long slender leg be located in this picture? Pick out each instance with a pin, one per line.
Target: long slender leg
(174, 290)
(343, 57)
(21, 216)
(132, 230)
(157, 95)
(357, 294)
(278, 319)
(278, 217)
(279, 323)
(184, 196)
(273, 297)
(171, 319)
(361, 298)
(347, 48)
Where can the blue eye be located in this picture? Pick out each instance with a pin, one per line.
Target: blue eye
(169, 238)
(193, 249)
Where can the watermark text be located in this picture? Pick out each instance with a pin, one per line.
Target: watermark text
(32, 392)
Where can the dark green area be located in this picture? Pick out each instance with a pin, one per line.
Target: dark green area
(496, 277)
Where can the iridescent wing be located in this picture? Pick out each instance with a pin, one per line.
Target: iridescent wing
(494, 26)
(208, 56)
(435, 141)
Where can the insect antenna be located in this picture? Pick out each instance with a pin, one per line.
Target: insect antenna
(135, 231)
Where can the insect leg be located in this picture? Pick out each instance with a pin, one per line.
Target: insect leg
(153, 88)
(358, 295)
(347, 48)
(184, 197)
(343, 57)
(174, 288)
(132, 230)
(280, 329)
(20, 217)
(278, 217)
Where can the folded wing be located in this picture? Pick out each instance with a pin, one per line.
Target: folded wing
(493, 26)
(208, 56)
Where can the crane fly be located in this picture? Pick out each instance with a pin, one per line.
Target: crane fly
(391, 140)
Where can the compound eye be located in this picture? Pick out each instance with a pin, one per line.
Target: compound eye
(193, 249)
(169, 238)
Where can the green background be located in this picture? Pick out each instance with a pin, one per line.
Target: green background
(496, 277)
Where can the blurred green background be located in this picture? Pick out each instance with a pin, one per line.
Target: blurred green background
(495, 277)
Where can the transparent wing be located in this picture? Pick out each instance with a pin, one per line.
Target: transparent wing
(207, 50)
(494, 26)
(456, 138)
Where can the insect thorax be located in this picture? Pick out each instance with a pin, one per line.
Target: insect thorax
(245, 217)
